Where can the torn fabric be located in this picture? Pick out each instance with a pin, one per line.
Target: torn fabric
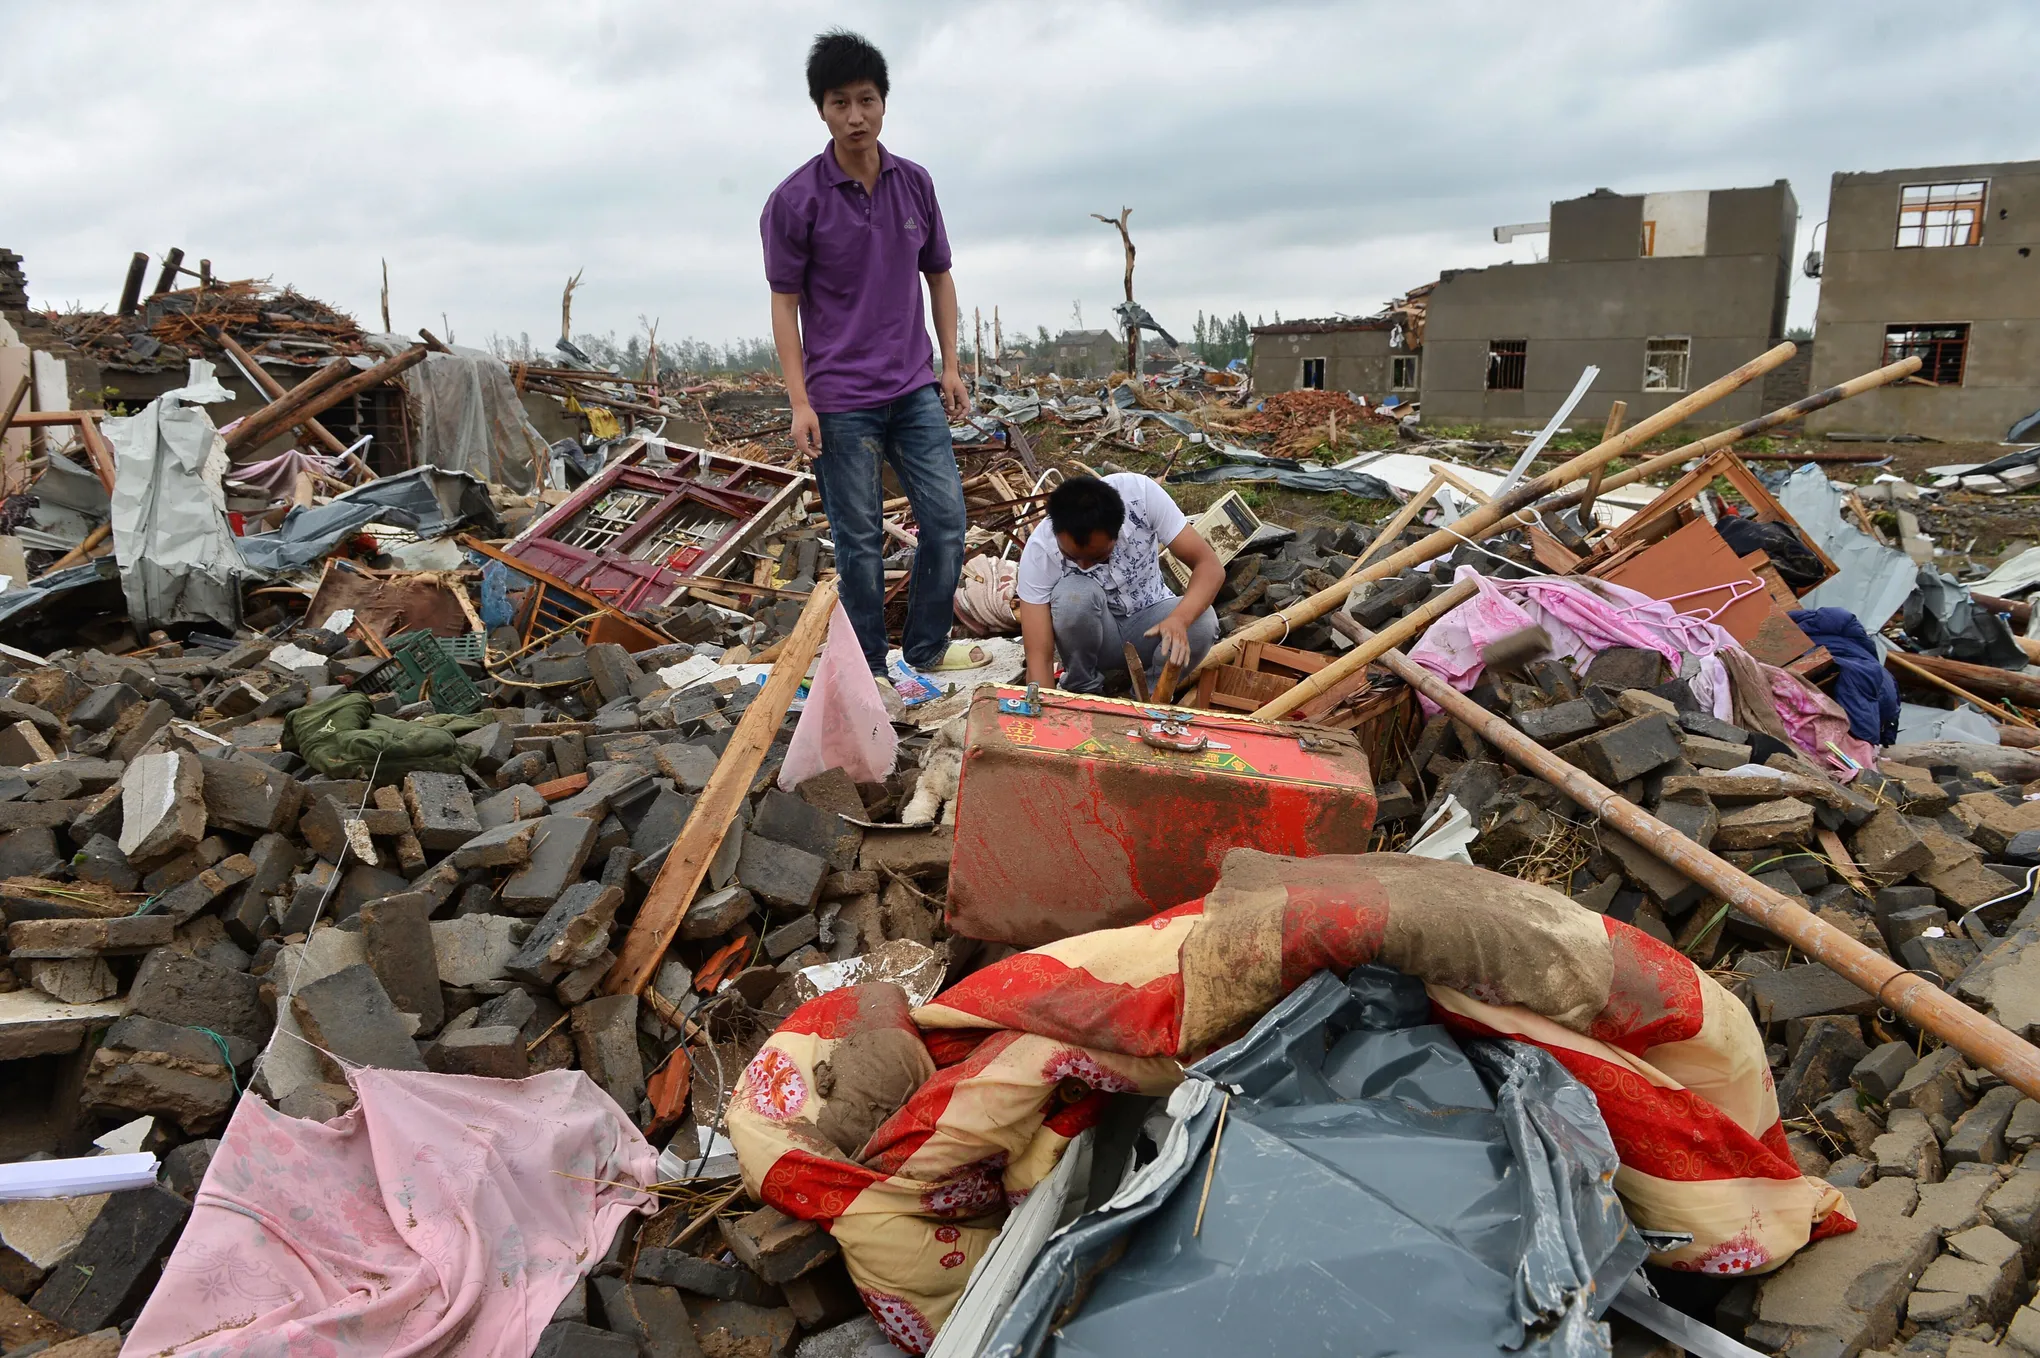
(468, 417)
(443, 1214)
(428, 501)
(170, 530)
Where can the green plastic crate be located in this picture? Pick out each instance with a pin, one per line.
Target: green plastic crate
(419, 657)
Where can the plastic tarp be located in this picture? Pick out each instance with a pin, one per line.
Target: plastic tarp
(2015, 579)
(1294, 476)
(468, 418)
(1873, 580)
(170, 531)
(1944, 620)
(428, 501)
(1917, 722)
(1377, 1190)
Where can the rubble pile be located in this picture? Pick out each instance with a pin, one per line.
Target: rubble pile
(239, 922)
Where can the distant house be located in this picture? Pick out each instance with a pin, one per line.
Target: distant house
(1086, 354)
(1368, 356)
(1664, 292)
(1937, 262)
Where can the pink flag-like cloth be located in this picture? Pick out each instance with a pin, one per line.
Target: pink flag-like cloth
(1586, 617)
(444, 1214)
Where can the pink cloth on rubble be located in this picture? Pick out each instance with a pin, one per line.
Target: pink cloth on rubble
(443, 1214)
(1582, 621)
(1585, 619)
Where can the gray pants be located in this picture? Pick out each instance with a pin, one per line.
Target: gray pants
(1092, 642)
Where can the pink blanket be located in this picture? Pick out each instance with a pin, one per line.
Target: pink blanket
(444, 1214)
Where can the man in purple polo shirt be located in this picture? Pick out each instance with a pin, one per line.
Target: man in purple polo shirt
(847, 236)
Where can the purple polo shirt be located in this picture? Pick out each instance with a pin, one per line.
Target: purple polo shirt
(856, 259)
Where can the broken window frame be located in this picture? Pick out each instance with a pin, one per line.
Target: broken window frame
(1398, 366)
(641, 560)
(1678, 350)
(1943, 349)
(1931, 216)
(1305, 374)
(1508, 360)
(1649, 242)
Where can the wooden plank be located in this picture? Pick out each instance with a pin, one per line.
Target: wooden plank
(1289, 658)
(665, 906)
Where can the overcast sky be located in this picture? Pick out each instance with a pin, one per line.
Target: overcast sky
(1297, 158)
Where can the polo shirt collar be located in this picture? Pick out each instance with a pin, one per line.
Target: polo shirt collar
(834, 174)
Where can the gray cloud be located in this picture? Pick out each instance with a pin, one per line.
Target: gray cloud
(1292, 157)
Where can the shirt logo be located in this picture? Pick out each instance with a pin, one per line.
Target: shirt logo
(912, 225)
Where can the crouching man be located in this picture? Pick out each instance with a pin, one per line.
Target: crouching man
(1091, 581)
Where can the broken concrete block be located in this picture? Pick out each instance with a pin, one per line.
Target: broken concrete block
(571, 1339)
(1622, 752)
(1786, 820)
(1845, 1296)
(775, 1246)
(651, 1317)
(1979, 1135)
(689, 766)
(715, 913)
(403, 953)
(162, 808)
(1877, 1074)
(192, 993)
(1907, 1149)
(349, 1016)
(1831, 1048)
(2014, 1208)
(788, 819)
(782, 876)
(1802, 991)
(79, 980)
(558, 853)
(910, 853)
(1887, 847)
(249, 797)
(508, 844)
(190, 1085)
(495, 1053)
(472, 949)
(1973, 1283)
(519, 802)
(1704, 752)
(1933, 1086)
(571, 935)
(66, 938)
(605, 1038)
(703, 1277)
(442, 810)
(106, 1278)
(612, 670)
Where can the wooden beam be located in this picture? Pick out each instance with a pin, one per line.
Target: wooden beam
(274, 390)
(131, 291)
(1984, 680)
(1357, 659)
(275, 417)
(1907, 664)
(666, 904)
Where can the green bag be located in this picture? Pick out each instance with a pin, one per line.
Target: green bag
(344, 737)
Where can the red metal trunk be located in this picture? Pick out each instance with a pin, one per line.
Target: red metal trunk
(1085, 818)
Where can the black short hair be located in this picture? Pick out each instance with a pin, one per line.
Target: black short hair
(1084, 505)
(839, 58)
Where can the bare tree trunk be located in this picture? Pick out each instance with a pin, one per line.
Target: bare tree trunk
(1132, 330)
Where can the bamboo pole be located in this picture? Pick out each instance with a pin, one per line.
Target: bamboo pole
(82, 552)
(1664, 462)
(1394, 527)
(1357, 659)
(1916, 999)
(1483, 521)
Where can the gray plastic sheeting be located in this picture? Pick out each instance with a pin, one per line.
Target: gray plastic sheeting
(426, 500)
(1378, 1190)
(1872, 580)
(170, 530)
(468, 416)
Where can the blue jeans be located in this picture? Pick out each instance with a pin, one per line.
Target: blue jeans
(912, 433)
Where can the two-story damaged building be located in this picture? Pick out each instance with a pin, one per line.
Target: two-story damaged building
(1664, 292)
(1369, 356)
(1940, 263)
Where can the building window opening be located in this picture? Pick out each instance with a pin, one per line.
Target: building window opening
(1403, 372)
(1665, 363)
(1314, 374)
(1941, 214)
(1505, 361)
(1943, 350)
